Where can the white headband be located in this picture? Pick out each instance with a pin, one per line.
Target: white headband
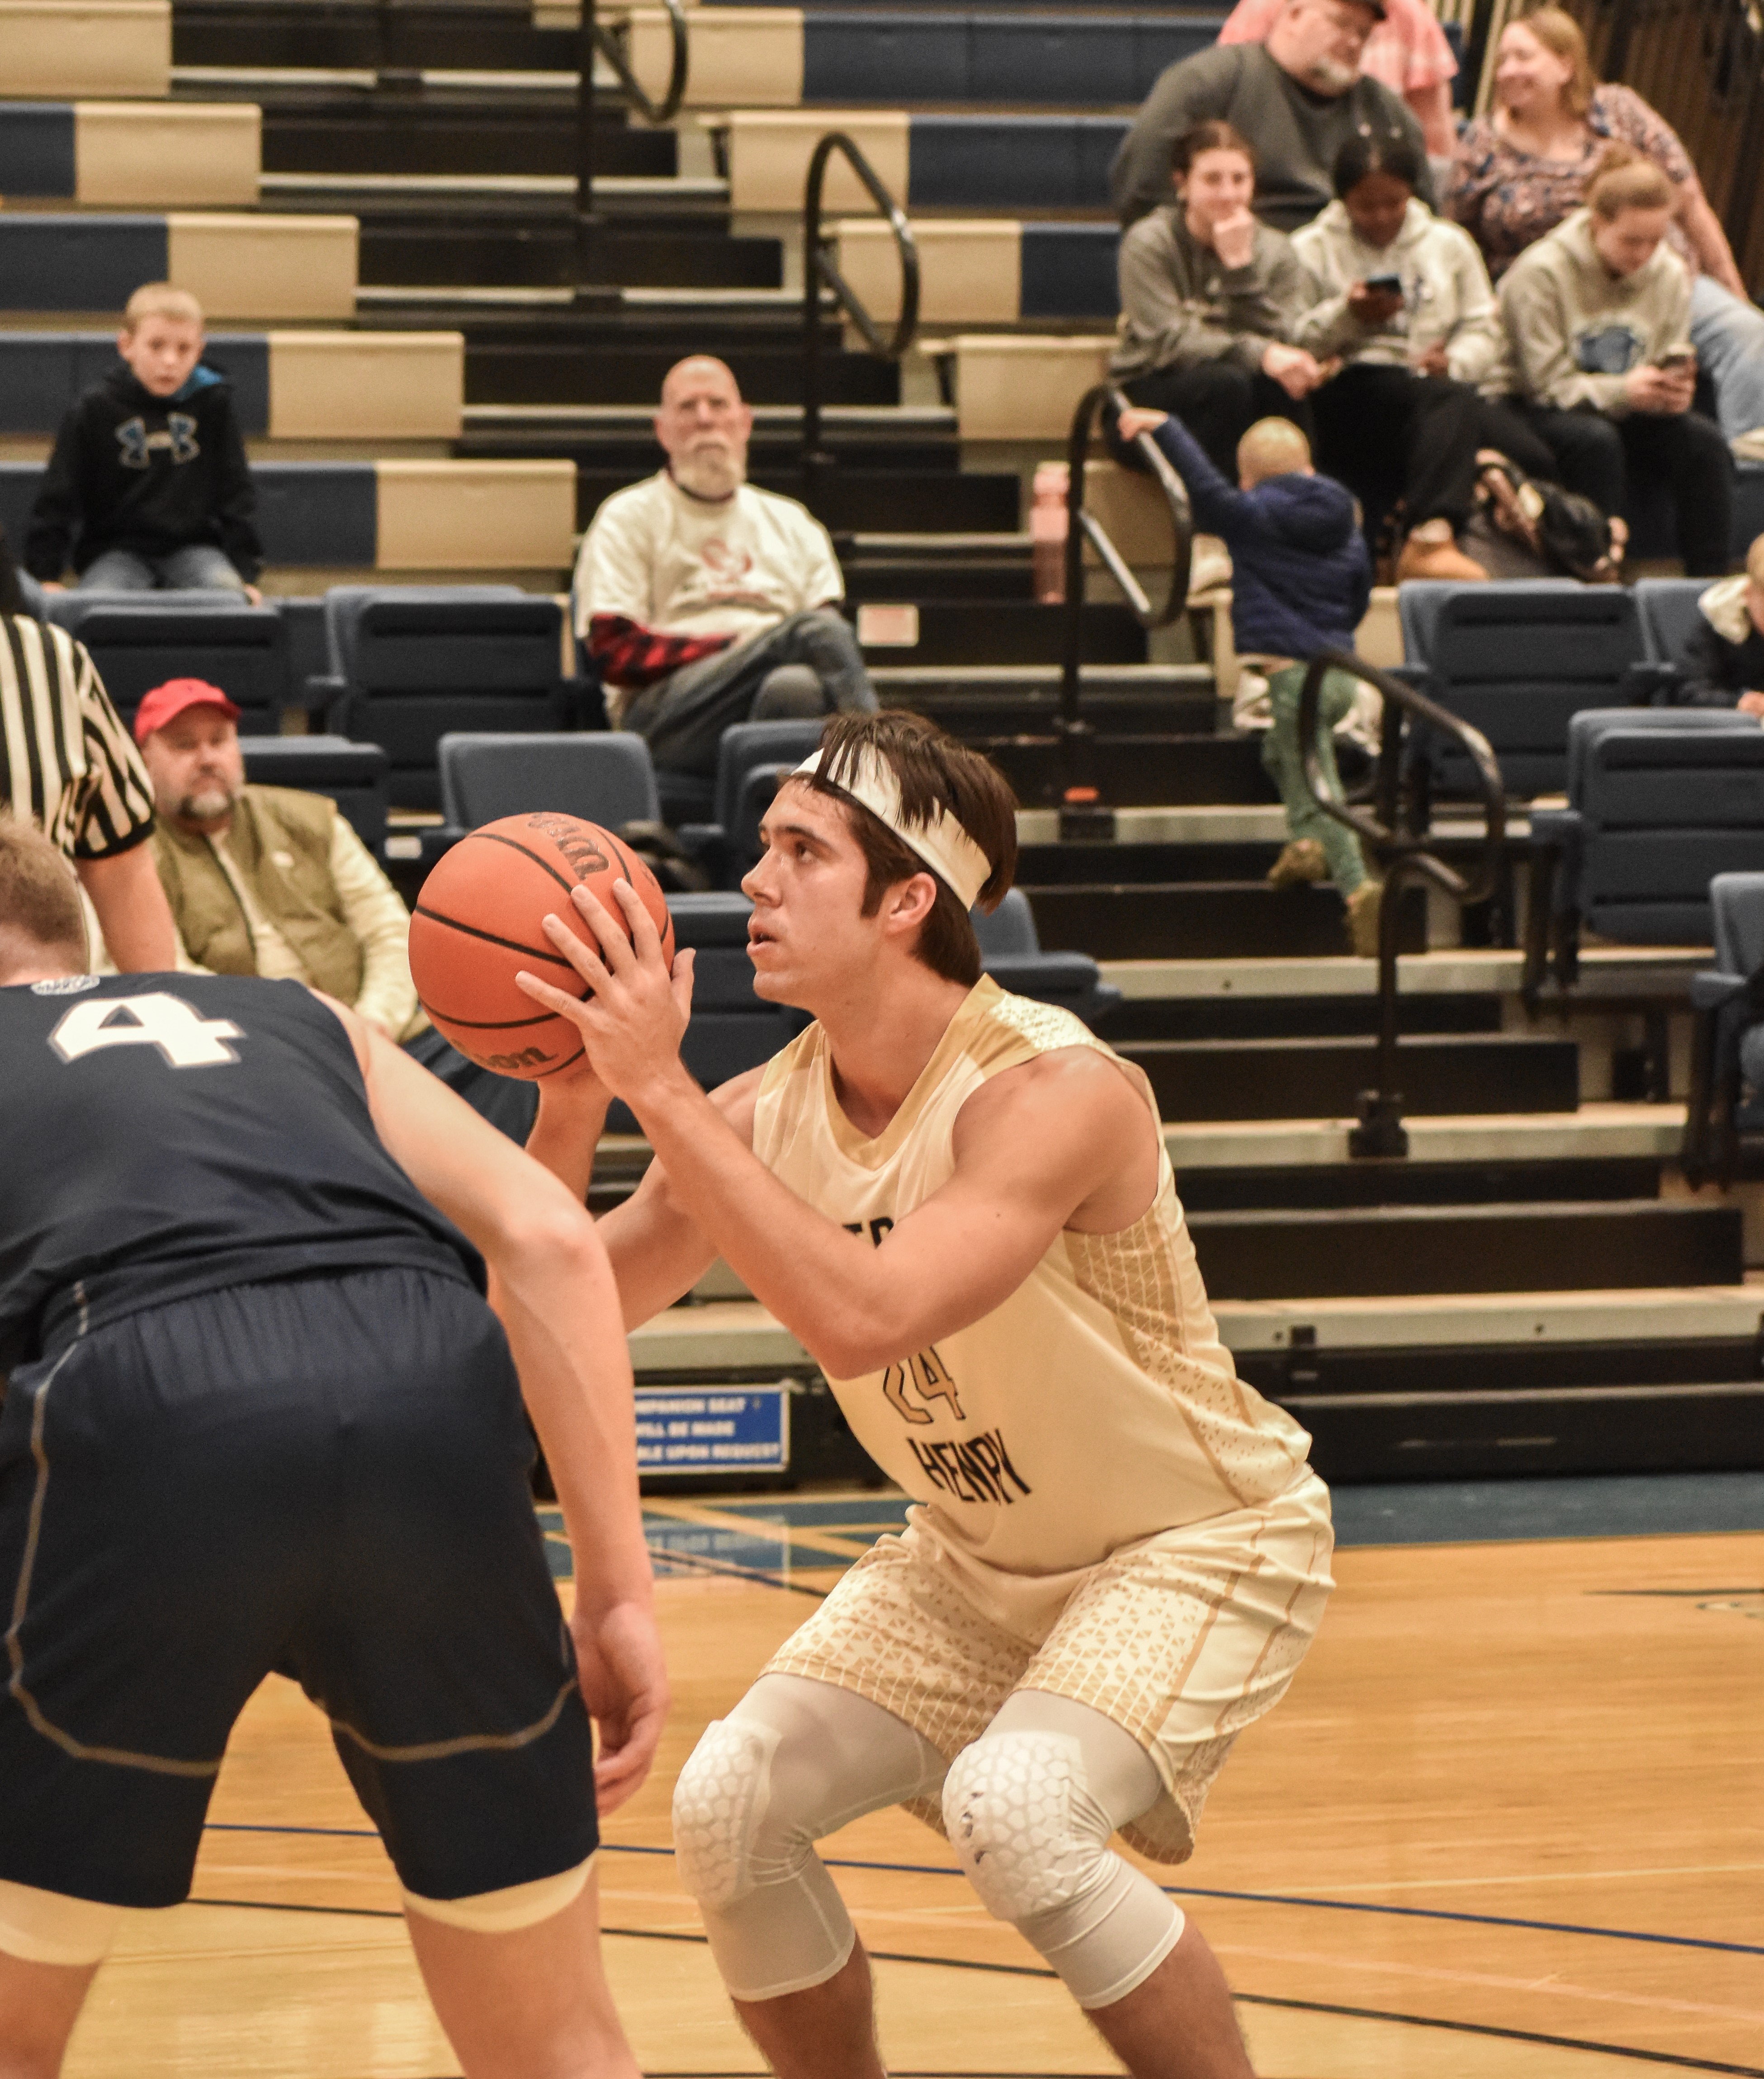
(943, 845)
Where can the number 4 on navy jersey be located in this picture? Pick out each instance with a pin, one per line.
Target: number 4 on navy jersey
(184, 1037)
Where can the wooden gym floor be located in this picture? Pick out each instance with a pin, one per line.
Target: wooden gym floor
(1509, 1820)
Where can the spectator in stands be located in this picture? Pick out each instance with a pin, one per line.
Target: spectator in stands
(148, 486)
(273, 881)
(706, 601)
(1298, 97)
(1526, 166)
(67, 766)
(1209, 299)
(1598, 313)
(1407, 308)
(1301, 581)
(1408, 52)
(1725, 665)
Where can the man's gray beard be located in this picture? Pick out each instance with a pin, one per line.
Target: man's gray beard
(205, 808)
(709, 472)
(1329, 76)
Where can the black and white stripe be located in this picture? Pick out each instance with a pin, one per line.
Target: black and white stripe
(67, 763)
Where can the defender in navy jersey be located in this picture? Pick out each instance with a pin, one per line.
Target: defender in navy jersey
(258, 1418)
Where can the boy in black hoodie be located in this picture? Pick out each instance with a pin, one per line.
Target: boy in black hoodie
(148, 485)
(1301, 580)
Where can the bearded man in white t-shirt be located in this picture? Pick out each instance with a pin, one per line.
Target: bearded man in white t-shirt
(705, 601)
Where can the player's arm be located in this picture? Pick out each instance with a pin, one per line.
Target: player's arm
(658, 1251)
(1063, 1138)
(553, 1288)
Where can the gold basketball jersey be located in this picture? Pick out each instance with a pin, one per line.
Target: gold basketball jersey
(1095, 1407)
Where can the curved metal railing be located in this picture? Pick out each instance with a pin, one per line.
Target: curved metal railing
(1406, 859)
(819, 272)
(1082, 526)
(593, 39)
(606, 42)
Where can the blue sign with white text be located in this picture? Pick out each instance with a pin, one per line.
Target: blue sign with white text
(713, 1429)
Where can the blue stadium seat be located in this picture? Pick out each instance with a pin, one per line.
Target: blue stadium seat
(68, 609)
(1517, 660)
(1667, 610)
(354, 775)
(1660, 800)
(409, 664)
(1727, 1053)
(242, 649)
(1010, 950)
(602, 775)
(751, 757)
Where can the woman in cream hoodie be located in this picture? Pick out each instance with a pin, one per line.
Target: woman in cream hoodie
(1406, 309)
(1598, 313)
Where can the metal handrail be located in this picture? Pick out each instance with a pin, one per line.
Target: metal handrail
(1081, 527)
(593, 40)
(1406, 858)
(652, 112)
(819, 272)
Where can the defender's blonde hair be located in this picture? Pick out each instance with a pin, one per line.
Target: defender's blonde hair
(160, 299)
(1272, 447)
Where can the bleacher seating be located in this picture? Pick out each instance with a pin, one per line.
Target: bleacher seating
(354, 775)
(240, 265)
(1518, 661)
(136, 645)
(1659, 801)
(1666, 608)
(317, 385)
(123, 153)
(409, 664)
(58, 48)
(1010, 950)
(601, 775)
(1727, 1041)
(987, 270)
(751, 758)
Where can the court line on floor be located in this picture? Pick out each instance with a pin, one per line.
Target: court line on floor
(1176, 1891)
(1668, 2058)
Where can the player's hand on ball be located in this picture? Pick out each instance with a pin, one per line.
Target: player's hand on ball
(635, 1014)
(623, 1677)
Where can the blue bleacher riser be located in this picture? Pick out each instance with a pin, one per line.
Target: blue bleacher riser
(93, 262)
(36, 149)
(42, 373)
(1104, 60)
(1007, 162)
(1068, 271)
(323, 514)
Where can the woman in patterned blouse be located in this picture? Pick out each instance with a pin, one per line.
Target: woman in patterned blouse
(1519, 170)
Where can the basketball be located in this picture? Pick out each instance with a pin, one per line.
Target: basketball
(477, 924)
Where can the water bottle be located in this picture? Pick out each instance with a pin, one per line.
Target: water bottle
(1047, 531)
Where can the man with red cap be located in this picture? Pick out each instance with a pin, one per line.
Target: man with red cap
(268, 880)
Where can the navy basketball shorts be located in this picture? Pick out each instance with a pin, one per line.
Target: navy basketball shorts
(323, 1478)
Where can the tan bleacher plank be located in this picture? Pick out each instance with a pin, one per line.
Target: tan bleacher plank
(366, 386)
(969, 268)
(61, 48)
(491, 516)
(240, 267)
(741, 57)
(769, 151)
(1022, 387)
(129, 153)
(1626, 970)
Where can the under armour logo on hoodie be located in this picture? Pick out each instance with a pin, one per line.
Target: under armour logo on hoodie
(178, 440)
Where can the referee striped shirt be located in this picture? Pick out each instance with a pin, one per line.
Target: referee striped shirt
(67, 763)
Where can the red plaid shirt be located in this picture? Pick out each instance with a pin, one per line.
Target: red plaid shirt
(630, 655)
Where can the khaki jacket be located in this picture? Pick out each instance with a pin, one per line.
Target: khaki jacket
(285, 848)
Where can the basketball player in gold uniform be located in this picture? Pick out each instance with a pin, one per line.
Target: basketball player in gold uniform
(959, 1201)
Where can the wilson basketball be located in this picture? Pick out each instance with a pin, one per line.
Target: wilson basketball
(478, 923)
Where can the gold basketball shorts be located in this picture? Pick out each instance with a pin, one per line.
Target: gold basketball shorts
(1182, 1639)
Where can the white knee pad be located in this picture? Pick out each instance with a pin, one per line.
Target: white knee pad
(1035, 1844)
(718, 1804)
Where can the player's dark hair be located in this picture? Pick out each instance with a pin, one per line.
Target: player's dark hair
(935, 772)
(1377, 152)
(11, 591)
(39, 899)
